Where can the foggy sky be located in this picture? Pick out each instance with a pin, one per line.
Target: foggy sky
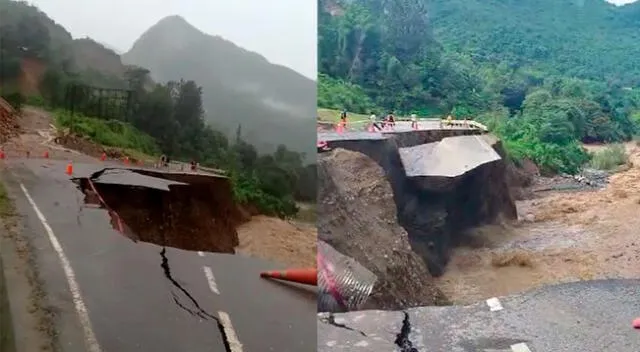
(283, 31)
(621, 2)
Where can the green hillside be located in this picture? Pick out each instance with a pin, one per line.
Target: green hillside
(545, 75)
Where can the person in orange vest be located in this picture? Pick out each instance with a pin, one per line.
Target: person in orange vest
(391, 120)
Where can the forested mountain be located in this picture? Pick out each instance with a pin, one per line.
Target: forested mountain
(39, 61)
(273, 103)
(589, 39)
(545, 74)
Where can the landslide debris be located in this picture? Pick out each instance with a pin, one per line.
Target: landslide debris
(9, 126)
(357, 216)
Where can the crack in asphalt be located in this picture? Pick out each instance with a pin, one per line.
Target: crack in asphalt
(402, 338)
(331, 320)
(199, 311)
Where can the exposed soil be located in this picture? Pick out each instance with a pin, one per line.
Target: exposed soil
(290, 243)
(562, 236)
(357, 216)
(197, 214)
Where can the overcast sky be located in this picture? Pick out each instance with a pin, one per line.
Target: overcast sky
(283, 31)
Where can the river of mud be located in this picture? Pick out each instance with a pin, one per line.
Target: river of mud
(560, 237)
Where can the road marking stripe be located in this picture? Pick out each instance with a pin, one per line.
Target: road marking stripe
(494, 304)
(81, 309)
(200, 254)
(520, 347)
(211, 279)
(232, 338)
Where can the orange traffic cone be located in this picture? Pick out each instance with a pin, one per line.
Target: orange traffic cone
(46, 154)
(307, 276)
(103, 157)
(69, 170)
(2, 156)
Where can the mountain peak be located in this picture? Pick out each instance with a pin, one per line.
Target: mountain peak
(173, 20)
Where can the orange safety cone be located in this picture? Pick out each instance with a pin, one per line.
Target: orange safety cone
(103, 157)
(2, 156)
(69, 170)
(46, 154)
(307, 276)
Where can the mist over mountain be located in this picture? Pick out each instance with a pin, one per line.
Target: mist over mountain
(273, 104)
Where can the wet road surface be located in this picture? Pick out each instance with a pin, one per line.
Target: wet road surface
(587, 316)
(112, 294)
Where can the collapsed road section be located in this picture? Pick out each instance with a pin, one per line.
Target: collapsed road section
(187, 211)
(387, 199)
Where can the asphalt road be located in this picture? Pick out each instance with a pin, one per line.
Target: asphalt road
(360, 131)
(587, 316)
(112, 294)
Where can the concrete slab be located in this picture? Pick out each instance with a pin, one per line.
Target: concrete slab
(451, 157)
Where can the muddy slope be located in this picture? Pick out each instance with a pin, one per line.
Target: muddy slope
(357, 216)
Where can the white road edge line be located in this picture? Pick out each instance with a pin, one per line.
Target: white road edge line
(520, 347)
(494, 304)
(81, 309)
(200, 254)
(211, 280)
(232, 338)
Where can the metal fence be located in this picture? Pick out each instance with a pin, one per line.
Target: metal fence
(105, 103)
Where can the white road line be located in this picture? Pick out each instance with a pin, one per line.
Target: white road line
(520, 347)
(211, 279)
(232, 338)
(494, 304)
(81, 309)
(200, 254)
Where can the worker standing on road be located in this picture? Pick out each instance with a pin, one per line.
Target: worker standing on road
(374, 122)
(343, 118)
(414, 121)
(391, 120)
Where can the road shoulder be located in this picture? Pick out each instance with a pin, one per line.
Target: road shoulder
(30, 314)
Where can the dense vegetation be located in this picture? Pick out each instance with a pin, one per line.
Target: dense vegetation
(544, 82)
(159, 118)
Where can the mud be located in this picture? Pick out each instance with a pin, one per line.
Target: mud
(357, 216)
(187, 211)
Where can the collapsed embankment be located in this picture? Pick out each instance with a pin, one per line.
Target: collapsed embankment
(435, 195)
(186, 211)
